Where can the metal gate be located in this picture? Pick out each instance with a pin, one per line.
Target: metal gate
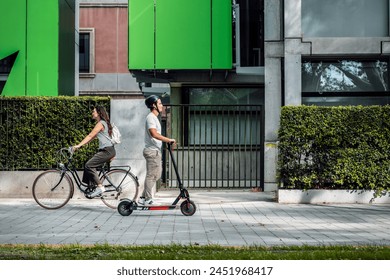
(219, 146)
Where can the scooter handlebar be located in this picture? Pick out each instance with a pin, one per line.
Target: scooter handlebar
(170, 145)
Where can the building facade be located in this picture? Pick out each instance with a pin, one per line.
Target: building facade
(225, 93)
(224, 68)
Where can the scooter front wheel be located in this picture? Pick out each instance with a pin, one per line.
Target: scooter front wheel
(188, 208)
(124, 208)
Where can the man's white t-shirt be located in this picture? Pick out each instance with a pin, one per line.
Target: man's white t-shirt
(150, 142)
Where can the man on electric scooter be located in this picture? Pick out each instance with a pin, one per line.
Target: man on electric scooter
(152, 150)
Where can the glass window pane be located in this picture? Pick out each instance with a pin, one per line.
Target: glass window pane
(345, 82)
(225, 116)
(345, 18)
(251, 32)
(345, 76)
(226, 96)
(84, 53)
(346, 100)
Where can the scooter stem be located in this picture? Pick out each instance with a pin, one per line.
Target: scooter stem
(174, 165)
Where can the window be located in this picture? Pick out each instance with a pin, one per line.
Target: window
(6, 65)
(346, 81)
(251, 32)
(86, 51)
(223, 116)
(345, 18)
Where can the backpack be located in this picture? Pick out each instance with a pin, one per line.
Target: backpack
(115, 136)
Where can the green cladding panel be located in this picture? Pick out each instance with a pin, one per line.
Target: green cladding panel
(141, 34)
(183, 34)
(222, 34)
(12, 40)
(42, 48)
(180, 34)
(34, 30)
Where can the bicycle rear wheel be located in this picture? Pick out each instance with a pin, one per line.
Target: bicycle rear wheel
(50, 192)
(119, 184)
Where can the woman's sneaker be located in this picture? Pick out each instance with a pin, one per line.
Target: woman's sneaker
(97, 192)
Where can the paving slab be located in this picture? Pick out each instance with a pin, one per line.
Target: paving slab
(228, 218)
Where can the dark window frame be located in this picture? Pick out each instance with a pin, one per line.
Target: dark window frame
(348, 97)
(86, 51)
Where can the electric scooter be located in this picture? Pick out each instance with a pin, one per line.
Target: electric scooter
(187, 207)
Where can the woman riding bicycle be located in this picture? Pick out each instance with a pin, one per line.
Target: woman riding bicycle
(102, 131)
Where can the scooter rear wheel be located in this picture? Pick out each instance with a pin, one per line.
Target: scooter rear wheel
(188, 208)
(124, 208)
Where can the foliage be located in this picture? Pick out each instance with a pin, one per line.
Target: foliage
(32, 129)
(191, 252)
(335, 147)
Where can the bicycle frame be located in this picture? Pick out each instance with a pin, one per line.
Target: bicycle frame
(68, 167)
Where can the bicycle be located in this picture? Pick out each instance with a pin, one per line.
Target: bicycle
(52, 189)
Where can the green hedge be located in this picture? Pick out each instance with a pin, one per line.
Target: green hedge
(335, 148)
(32, 129)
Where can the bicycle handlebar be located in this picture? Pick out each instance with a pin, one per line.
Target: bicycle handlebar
(68, 150)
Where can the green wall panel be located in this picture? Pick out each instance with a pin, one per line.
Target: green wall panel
(221, 34)
(13, 39)
(42, 48)
(141, 34)
(34, 29)
(183, 34)
(180, 34)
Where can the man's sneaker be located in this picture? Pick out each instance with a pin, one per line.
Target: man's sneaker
(141, 200)
(148, 201)
(96, 192)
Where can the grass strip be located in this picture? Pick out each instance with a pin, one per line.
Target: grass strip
(191, 252)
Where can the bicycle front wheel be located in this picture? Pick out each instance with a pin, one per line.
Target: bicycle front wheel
(50, 191)
(119, 184)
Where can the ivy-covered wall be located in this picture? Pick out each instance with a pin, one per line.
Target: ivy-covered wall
(335, 147)
(32, 129)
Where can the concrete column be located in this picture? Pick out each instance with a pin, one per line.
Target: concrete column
(129, 115)
(272, 106)
(292, 75)
(273, 53)
(292, 19)
(292, 52)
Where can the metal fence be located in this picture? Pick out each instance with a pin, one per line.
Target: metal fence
(219, 146)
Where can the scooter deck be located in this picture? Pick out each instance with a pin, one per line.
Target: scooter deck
(154, 207)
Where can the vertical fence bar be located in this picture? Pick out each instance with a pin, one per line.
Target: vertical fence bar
(239, 115)
(211, 145)
(216, 148)
(252, 142)
(222, 145)
(233, 142)
(205, 149)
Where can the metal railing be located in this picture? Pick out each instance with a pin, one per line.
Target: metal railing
(219, 146)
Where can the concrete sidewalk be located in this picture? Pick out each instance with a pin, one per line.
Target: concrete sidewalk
(233, 218)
